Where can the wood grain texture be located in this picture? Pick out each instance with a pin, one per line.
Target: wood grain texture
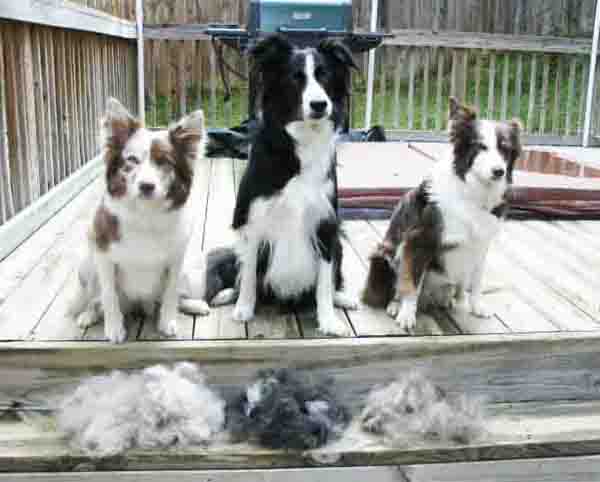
(487, 41)
(513, 431)
(67, 15)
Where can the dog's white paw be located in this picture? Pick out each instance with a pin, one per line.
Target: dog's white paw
(87, 319)
(225, 297)
(480, 310)
(114, 330)
(332, 325)
(243, 312)
(345, 301)
(194, 306)
(168, 328)
(407, 317)
(393, 308)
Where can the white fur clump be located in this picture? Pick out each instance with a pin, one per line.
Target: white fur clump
(157, 407)
(413, 407)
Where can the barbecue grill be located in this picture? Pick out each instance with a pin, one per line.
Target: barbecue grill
(305, 23)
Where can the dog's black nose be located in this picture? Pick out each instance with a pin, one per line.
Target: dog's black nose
(318, 107)
(147, 188)
(498, 173)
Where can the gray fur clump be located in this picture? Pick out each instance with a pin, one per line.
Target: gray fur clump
(157, 407)
(287, 409)
(413, 406)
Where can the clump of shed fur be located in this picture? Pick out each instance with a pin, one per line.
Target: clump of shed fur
(287, 409)
(156, 407)
(413, 407)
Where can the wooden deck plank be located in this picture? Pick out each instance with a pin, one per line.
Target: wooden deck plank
(514, 431)
(592, 227)
(22, 311)
(56, 324)
(584, 232)
(574, 242)
(466, 322)
(363, 238)
(559, 278)
(16, 267)
(219, 324)
(516, 312)
(549, 247)
(273, 323)
(554, 306)
(554, 469)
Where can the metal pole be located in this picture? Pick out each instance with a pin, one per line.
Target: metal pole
(371, 73)
(139, 15)
(587, 125)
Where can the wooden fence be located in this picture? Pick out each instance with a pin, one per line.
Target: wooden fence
(540, 80)
(54, 81)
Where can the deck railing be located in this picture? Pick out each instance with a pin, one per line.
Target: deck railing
(542, 80)
(59, 62)
(539, 79)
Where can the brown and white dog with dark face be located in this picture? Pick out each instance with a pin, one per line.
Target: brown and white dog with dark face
(142, 225)
(439, 234)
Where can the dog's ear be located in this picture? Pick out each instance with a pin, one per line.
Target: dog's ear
(118, 125)
(461, 112)
(188, 135)
(338, 53)
(271, 53)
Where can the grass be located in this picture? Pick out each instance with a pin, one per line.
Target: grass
(392, 116)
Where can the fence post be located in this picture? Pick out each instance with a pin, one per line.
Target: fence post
(139, 15)
(587, 124)
(371, 72)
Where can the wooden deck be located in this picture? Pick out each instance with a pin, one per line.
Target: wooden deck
(541, 277)
(536, 360)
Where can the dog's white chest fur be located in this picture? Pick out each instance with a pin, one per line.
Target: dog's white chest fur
(146, 249)
(288, 221)
(469, 227)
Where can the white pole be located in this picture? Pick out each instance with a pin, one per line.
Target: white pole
(371, 73)
(587, 125)
(139, 15)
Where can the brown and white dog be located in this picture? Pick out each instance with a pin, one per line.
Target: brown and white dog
(142, 224)
(439, 234)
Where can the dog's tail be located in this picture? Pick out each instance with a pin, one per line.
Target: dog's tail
(201, 286)
(379, 288)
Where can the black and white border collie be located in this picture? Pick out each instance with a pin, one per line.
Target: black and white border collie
(141, 227)
(289, 249)
(439, 234)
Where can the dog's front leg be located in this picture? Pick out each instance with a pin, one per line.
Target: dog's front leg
(114, 322)
(167, 320)
(329, 323)
(246, 302)
(478, 307)
(409, 284)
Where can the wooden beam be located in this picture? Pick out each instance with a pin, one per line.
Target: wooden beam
(139, 12)
(176, 32)
(21, 226)
(513, 431)
(556, 469)
(501, 42)
(67, 15)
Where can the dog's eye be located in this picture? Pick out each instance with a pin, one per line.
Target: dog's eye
(298, 76)
(481, 146)
(320, 72)
(133, 160)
